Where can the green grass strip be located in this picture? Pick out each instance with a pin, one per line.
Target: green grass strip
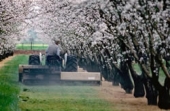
(18, 97)
(34, 46)
(9, 88)
(62, 98)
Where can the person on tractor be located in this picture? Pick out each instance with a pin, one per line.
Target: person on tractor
(54, 50)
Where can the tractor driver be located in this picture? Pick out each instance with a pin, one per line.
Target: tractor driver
(54, 49)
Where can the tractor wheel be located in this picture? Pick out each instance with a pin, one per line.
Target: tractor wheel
(20, 77)
(34, 60)
(71, 64)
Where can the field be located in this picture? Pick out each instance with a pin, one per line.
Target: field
(34, 46)
(18, 97)
(9, 87)
(62, 98)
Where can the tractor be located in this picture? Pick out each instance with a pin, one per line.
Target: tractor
(56, 70)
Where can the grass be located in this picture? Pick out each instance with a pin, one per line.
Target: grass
(9, 88)
(34, 46)
(62, 98)
(18, 97)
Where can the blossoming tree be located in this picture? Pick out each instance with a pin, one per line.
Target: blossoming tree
(111, 34)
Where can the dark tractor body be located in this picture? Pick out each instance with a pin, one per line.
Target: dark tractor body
(53, 72)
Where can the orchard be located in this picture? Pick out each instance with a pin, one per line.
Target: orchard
(109, 36)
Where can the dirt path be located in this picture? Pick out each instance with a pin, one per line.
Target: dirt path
(2, 63)
(123, 101)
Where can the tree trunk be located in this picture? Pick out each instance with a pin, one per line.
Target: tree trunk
(151, 92)
(116, 77)
(164, 95)
(126, 82)
(138, 83)
(164, 91)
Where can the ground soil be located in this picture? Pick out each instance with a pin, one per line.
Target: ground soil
(122, 101)
(2, 63)
(28, 52)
